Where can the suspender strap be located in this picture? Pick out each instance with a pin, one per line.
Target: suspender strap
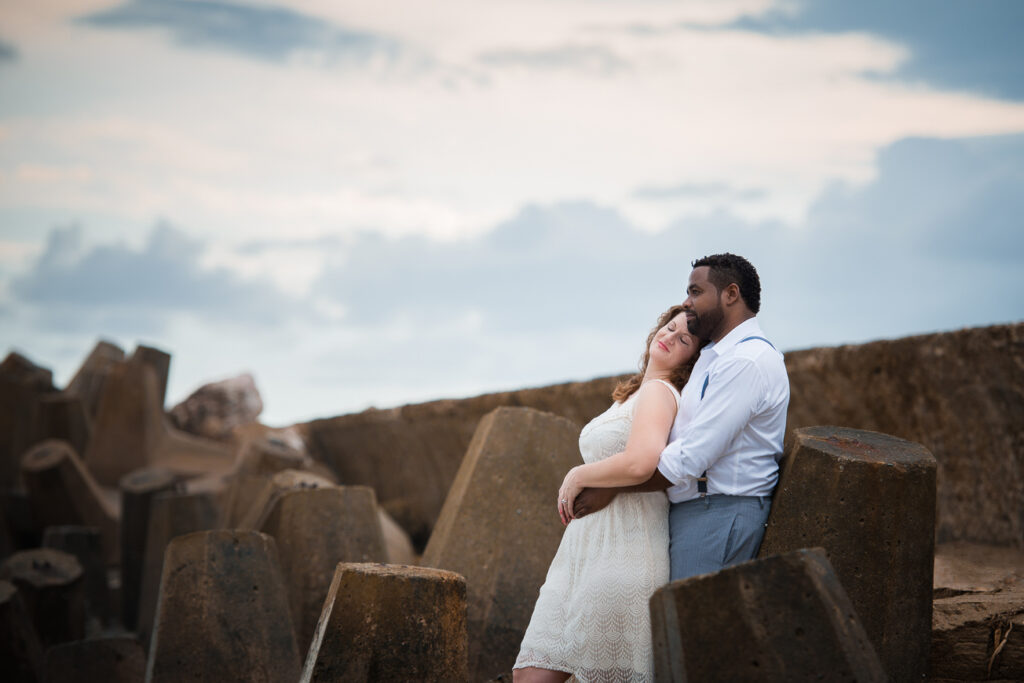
(702, 480)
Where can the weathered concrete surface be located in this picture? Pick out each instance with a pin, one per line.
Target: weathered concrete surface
(21, 653)
(130, 431)
(110, 659)
(275, 487)
(498, 529)
(88, 380)
(223, 612)
(869, 500)
(62, 415)
(86, 545)
(979, 636)
(216, 409)
(390, 623)
(778, 619)
(315, 529)
(960, 394)
(160, 362)
(138, 489)
(22, 385)
(963, 567)
(257, 463)
(50, 582)
(171, 514)
(62, 492)
(410, 455)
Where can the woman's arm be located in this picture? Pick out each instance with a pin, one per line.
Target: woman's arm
(655, 411)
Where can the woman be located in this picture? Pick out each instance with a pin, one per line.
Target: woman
(591, 618)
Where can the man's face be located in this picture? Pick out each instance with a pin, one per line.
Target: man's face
(703, 305)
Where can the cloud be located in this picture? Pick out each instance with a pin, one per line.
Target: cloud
(716, 191)
(965, 46)
(121, 288)
(268, 33)
(8, 53)
(591, 59)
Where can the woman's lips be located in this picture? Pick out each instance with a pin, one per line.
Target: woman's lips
(663, 347)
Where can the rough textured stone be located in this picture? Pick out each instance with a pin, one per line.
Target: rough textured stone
(62, 415)
(960, 394)
(137, 492)
(274, 488)
(21, 653)
(22, 385)
(780, 619)
(87, 547)
(214, 410)
(50, 582)
(223, 613)
(315, 529)
(160, 361)
(130, 431)
(979, 637)
(390, 623)
(171, 515)
(869, 500)
(410, 455)
(498, 527)
(63, 492)
(258, 462)
(962, 567)
(88, 381)
(112, 659)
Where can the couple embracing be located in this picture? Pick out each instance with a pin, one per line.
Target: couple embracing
(703, 421)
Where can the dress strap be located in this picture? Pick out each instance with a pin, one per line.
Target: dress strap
(675, 392)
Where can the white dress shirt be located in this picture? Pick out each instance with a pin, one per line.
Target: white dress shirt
(735, 430)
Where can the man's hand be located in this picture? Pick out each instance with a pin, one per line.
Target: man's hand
(591, 500)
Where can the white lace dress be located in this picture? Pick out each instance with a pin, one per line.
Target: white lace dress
(592, 617)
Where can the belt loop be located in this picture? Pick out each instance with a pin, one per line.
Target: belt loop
(707, 501)
(760, 501)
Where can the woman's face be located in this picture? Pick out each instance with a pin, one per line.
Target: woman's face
(672, 344)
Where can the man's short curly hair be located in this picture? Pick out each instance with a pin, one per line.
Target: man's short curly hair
(725, 269)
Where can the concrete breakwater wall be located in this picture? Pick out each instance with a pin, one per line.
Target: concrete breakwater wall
(960, 394)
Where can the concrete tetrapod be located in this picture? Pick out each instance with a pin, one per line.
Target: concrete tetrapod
(85, 544)
(499, 528)
(50, 581)
(315, 529)
(784, 618)
(63, 492)
(170, 515)
(21, 653)
(137, 492)
(22, 385)
(390, 623)
(110, 659)
(223, 612)
(868, 499)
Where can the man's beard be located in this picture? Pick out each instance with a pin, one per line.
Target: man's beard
(703, 325)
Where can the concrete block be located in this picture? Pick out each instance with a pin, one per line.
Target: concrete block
(499, 528)
(86, 545)
(869, 500)
(315, 529)
(979, 637)
(22, 385)
(223, 612)
(63, 492)
(390, 623)
(780, 619)
(258, 462)
(138, 489)
(275, 487)
(160, 362)
(63, 416)
(21, 653)
(92, 373)
(50, 582)
(109, 659)
(171, 515)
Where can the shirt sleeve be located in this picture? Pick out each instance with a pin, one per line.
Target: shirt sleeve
(734, 390)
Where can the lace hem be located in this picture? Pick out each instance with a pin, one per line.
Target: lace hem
(618, 675)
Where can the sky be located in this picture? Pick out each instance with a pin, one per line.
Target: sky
(372, 204)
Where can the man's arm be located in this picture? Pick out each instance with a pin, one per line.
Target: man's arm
(594, 499)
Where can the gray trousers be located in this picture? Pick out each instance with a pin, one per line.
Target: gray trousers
(715, 532)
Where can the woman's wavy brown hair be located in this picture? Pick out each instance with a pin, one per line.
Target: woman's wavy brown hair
(679, 375)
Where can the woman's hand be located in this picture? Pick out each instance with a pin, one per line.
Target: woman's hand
(567, 494)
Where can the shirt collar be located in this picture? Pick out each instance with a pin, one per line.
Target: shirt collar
(747, 328)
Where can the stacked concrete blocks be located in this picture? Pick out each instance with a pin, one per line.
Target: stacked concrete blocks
(784, 618)
(869, 500)
(50, 583)
(390, 623)
(223, 612)
(138, 489)
(499, 528)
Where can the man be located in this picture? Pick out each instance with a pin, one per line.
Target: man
(721, 464)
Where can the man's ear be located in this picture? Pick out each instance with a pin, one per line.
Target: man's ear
(731, 294)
